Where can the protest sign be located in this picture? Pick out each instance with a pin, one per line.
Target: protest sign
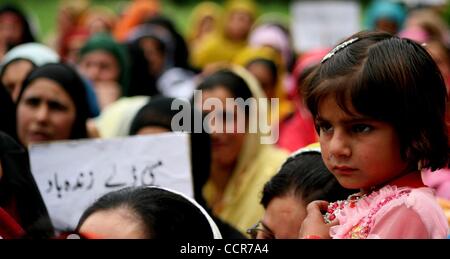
(71, 175)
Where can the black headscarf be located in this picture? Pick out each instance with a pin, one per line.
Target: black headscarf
(181, 55)
(19, 190)
(72, 83)
(7, 113)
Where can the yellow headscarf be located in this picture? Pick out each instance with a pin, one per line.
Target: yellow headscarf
(252, 53)
(216, 47)
(256, 164)
(200, 12)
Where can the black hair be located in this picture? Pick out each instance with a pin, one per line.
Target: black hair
(304, 176)
(268, 64)
(392, 80)
(166, 215)
(181, 52)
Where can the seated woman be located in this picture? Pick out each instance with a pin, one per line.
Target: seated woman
(52, 105)
(146, 213)
(156, 117)
(241, 162)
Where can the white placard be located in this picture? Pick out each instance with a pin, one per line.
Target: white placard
(321, 24)
(71, 175)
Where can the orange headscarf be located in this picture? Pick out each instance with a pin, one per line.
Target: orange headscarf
(136, 13)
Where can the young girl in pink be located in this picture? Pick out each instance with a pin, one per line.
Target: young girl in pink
(379, 105)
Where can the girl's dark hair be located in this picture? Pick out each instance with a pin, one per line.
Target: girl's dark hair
(166, 215)
(304, 176)
(393, 80)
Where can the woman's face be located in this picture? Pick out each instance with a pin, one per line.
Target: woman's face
(99, 66)
(226, 145)
(151, 130)
(155, 57)
(13, 76)
(264, 77)
(117, 223)
(283, 218)
(238, 25)
(11, 28)
(45, 112)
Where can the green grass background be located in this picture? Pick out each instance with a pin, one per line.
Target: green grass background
(44, 12)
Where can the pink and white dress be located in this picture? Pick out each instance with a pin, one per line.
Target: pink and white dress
(392, 212)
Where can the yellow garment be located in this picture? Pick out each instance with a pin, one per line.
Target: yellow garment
(115, 120)
(247, 55)
(216, 47)
(202, 11)
(256, 164)
(445, 205)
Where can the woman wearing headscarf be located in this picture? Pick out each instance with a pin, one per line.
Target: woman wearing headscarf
(267, 67)
(385, 15)
(154, 70)
(19, 195)
(156, 117)
(19, 61)
(147, 212)
(105, 63)
(274, 36)
(136, 13)
(241, 161)
(230, 38)
(204, 20)
(17, 29)
(52, 105)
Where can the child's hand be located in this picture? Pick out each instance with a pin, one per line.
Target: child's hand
(313, 225)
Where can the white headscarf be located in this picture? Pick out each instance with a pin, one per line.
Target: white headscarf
(212, 224)
(36, 53)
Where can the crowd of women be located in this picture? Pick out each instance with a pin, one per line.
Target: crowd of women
(106, 74)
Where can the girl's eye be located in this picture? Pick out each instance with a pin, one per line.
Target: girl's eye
(325, 127)
(361, 128)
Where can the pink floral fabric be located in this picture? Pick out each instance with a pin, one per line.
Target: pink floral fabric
(393, 213)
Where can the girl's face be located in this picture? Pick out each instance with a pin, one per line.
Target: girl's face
(360, 152)
(45, 112)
